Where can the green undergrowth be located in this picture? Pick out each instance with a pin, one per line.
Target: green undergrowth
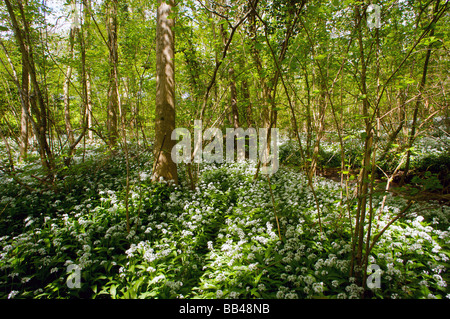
(427, 154)
(220, 240)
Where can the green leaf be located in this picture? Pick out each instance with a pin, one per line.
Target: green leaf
(94, 288)
(255, 293)
(148, 294)
(112, 291)
(208, 285)
(258, 278)
(320, 56)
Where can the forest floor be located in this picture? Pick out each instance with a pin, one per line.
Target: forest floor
(228, 238)
(396, 187)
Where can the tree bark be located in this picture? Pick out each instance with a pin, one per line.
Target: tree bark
(69, 130)
(322, 102)
(38, 105)
(113, 98)
(248, 112)
(402, 119)
(84, 45)
(412, 134)
(23, 90)
(25, 107)
(89, 110)
(234, 116)
(233, 99)
(363, 182)
(265, 92)
(164, 166)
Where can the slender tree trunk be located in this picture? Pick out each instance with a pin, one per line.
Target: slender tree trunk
(89, 110)
(363, 182)
(164, 166)
(309, 125)
(320, 127)
(265, 97)
(23, 90)
(412, 134)
(233, 99)
(234, 115)
(113, 98)
(69, 129)
(25, 107)
(85, 85)
(84, 46)
(402, 119)
(8, 149)
(248, 112)
(38, 105)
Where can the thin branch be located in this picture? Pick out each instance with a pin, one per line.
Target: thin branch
(377, 237)
(219, 63)
(424, 33)
(216, 13)
(96, 24)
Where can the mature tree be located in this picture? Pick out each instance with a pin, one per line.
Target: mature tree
(164, 166)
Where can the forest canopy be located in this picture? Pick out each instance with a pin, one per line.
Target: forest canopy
(316, 165)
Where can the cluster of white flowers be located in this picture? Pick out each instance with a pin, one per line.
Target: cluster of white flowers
(174, 286)
(226, 232)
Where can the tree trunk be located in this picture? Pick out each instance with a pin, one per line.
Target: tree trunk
(23, 90)
(248, 112)
(38, 105)
(363, 182)
(113, 98)
(402, 119)
(25, 107)
(412, 134)
(309, 121)
(320, 127)
(233, 99)
(69, 130)
(164, 166)
(89, 105)
(234, 116)
(84, 45)
(265, 97)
